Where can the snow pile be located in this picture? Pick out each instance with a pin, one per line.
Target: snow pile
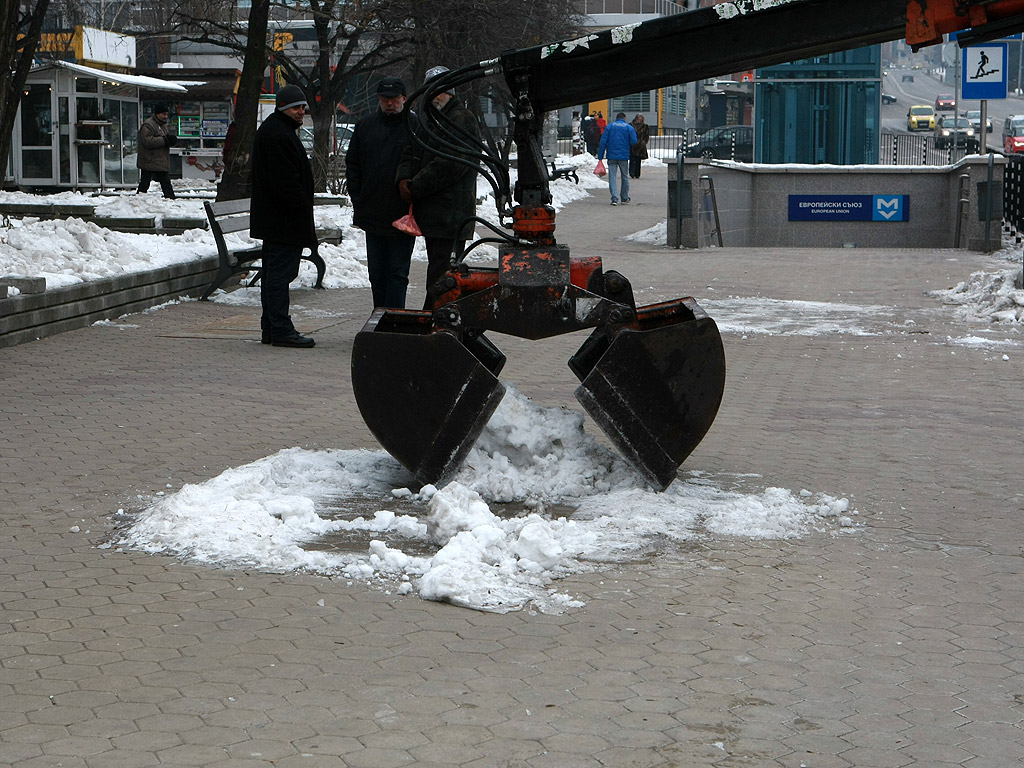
(757, 314)
(996, 297)
(732, 8)
(70, 251)
(66, 251)
(656, 235)
(458, 543)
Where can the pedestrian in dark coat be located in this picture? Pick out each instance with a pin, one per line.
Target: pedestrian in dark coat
(281, 212)
(638, 152)
(592, 133)
(371, 162)
(442, 191)
(154, 157)
(588, 128)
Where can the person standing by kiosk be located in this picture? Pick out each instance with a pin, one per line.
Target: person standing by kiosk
(154, 158)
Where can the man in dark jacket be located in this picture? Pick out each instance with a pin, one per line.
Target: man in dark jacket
(281, 212)
(154, 157)
(442, 191)
(370, 164)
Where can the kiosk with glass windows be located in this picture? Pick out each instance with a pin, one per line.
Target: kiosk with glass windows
(78, 127)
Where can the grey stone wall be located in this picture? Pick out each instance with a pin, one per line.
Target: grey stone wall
(31, 316)
(753, 205)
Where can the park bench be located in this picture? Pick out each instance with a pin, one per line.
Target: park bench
(233, 216)
(565, 172)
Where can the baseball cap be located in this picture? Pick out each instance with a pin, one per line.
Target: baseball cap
(391, 86)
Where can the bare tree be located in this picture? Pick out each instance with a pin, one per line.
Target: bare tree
(112, 15)
(454, 33)
(22, 23)
(352, 41)
(459, 32)
(235, 183)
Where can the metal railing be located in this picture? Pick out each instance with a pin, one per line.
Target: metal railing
(894, 148)
(909, 149)
(662, 145)
(659, 7)
(1013, 197)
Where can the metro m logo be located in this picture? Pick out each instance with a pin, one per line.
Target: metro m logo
(890, 208)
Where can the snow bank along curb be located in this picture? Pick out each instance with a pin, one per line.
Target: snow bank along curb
(35, 315)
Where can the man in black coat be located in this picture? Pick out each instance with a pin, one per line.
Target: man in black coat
(281, 212)
(374, 152)
(442, 191)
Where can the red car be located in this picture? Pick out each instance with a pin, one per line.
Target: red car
(1014, 143)
(944, 103)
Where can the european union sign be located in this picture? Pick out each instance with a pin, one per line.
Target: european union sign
(849, 207)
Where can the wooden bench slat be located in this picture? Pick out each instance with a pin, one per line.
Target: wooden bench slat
(233, 224)
(228, 207)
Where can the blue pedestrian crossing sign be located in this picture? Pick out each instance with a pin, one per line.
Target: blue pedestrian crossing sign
(983, 74)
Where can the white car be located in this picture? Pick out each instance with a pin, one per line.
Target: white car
(342, 136)
(974, 117)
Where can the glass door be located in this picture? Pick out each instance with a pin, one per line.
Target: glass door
(37, 141)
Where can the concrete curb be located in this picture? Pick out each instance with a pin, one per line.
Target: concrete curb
(31, 316)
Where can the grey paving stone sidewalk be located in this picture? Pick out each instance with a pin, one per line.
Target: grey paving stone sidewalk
(898, 643)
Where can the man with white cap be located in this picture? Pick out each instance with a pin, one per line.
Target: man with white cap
(442, 190)
(281, 212)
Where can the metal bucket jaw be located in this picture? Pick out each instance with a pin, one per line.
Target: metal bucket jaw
(425, 396)
(654, 389)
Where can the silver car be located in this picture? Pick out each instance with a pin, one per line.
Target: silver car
(974, 116)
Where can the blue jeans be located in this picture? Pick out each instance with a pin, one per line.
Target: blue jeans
(387, 261)
(618, 168)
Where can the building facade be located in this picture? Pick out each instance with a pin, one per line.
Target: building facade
(821, 110)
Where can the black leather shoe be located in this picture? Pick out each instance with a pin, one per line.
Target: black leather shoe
(295, 340)
(265, 338)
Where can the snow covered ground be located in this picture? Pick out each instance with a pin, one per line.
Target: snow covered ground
(537, 499)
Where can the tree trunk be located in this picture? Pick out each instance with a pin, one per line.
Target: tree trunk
(19, 51)
(323, 132)
(236, 182)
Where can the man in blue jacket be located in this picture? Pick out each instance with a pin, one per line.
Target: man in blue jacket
(616, 142)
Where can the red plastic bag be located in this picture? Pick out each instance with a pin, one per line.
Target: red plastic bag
(599, 169)
(407, 224)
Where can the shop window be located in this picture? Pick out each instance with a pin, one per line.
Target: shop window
(130, 140)
(112, 149)
(64, 140)
(635, 102)
(88, 137)
(37, 132)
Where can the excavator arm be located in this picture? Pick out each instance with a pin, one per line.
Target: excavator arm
(652, 377)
